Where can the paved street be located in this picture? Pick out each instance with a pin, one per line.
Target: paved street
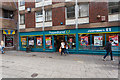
(18, 64)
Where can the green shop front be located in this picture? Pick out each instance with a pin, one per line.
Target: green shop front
(80, 41)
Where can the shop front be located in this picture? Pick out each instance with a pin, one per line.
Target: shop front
(80, 41)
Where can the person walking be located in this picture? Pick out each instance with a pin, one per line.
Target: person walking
(108, 50)
(2, 47)
(66, 49)
(62, 47)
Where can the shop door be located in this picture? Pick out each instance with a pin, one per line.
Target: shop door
(58, 40)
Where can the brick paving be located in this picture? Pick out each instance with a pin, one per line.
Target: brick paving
(19, 64)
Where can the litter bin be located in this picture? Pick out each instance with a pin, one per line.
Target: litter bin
(28, 49)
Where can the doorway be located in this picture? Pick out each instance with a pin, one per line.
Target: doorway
(57, 40)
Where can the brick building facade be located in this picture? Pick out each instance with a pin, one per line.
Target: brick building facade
(8, 25)
(60, 23)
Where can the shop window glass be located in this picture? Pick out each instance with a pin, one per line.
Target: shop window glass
(48, 42)
(24, 42)
(31, 42)
(71, 40)
(9, 40)
(84, 41)
(116, 40)
(39, 42)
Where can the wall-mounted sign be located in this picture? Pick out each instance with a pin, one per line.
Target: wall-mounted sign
(98, 41)
(115, 40)
(8, 32)
(84, 40)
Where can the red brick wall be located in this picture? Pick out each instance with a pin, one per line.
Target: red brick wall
(58, 16)
(57, 1)
(30, 17)
(98, 8)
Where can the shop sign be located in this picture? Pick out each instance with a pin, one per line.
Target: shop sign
(8, 32)
(100, 30)
(84, 40)
(48, 40)
(39, 41)
(56, 32)
(98, 41)
(115, 40)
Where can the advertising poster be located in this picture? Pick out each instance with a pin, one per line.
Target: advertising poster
(48, 40)
(31, 42)
(23, 40)
(98, 41)
(39, 41)
(84, 40)
(70, 40)
(115, 40)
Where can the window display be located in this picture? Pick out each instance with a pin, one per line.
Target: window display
(24, 42)
(48, 40)
(39, 42)
(71, 41)
(115, 40)
(98, 41)
(9, 41)
(31, 42)
(84, 40)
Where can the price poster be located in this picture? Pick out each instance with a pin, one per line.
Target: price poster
(39, 41)
(84, 40)
(23, 40)
(48, 40)
(98, 41)
(115, 40)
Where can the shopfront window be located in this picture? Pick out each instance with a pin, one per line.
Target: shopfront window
(31, 42)
(39, 42)
(9, 40)
(116, 40)
(71, 40)
(24, 42)
(48, 42)
(84, 41)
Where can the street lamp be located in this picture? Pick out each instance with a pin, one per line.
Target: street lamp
(76, 14)
(43, 15)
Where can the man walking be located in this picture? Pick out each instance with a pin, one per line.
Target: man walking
(2, 45)
(108, 50)
(62, 47)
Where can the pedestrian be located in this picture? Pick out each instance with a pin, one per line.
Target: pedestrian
(66, 49)
(62, 47)
(2, 47)
(108, 50)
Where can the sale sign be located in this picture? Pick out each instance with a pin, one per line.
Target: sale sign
(84, 40)
(115, 40)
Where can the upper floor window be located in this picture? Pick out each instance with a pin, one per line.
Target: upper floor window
(83, 10)
(38, 0)
(8, 14)
(22, 19)
(114, 7)
(39, 16)
(22, 2)
(71, 12)
(48, 15)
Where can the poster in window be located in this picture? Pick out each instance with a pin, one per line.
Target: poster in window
(48, 40)
(115, 40)
(98, 41)
(23, 40)
(31, 42)
(84, 40)
(39, 41)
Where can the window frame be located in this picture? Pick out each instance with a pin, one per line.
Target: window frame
(21, 19)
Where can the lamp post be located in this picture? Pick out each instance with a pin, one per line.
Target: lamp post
(76, 14)
(43, 11)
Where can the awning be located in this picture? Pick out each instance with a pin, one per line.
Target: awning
(8, 31)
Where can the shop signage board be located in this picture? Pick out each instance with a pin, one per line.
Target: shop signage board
(84, 40)
(115, 40)
(98, 41)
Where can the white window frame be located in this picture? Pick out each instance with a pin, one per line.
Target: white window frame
(22, 2)
(22, 20)
(40, 17)
(70, 12)
(48, 15)
(114, 6)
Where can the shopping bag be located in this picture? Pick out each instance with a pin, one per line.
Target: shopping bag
(60, 50)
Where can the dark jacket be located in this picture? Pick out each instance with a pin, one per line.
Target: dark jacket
(108, 46)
